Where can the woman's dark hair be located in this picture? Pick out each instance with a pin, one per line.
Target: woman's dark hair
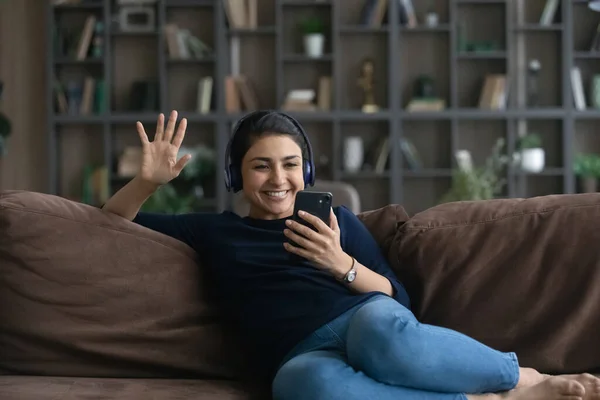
(261, 124)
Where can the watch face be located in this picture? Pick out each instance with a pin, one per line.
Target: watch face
(351, 276)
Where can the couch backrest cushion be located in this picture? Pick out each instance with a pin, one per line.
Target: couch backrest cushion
(517, 274)
(87, 293)
(383, 223)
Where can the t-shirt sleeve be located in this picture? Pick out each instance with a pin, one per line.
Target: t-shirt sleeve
(187, 228)
(358, 242)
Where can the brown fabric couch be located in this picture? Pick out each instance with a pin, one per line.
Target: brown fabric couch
(96, 307)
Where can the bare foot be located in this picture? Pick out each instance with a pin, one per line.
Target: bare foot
(589, 382)
(553, 388)
(529, 377)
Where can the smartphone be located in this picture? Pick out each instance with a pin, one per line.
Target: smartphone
(315, 203)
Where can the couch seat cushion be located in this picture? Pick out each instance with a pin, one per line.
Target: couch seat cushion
(64, 388)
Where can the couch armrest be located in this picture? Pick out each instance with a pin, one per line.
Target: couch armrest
(88, 293)
(520, 275)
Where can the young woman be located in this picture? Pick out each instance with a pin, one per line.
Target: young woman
(328, 319)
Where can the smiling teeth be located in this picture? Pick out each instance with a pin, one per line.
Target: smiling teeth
(277, 194)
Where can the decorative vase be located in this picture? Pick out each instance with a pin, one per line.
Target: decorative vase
(314, 44)
(353, 154)
(533, 160)
(432, 19)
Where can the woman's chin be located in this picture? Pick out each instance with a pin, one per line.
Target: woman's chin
(280, 209)
(277, 210)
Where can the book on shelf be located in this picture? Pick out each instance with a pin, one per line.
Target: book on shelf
(80, 97)
(426, 104)
(374, 13)
(181, 44)
(241, 14)
(549, 13)
(378, 158)
(205, 95)
(324, 96)
(595, 45)
(79, 43)
(494, 92)
(577, 86)
(300, 100)
(410, 154)
(240, 94)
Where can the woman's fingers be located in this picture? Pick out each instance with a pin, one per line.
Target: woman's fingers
(314, 221)
(300, 240)
(301, 229)
(178, 139)
(170, 127)
(297, 250)
(142, 133)
(181, 163)
(160, 127)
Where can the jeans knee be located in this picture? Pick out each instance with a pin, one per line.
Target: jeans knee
(380, 320)
(376, 333)
(307, 376)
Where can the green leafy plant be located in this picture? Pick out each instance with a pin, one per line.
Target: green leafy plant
(312, 25)
(530, 141)
(478, 183)
(184, 193)
(167, 200)
(587, 165)
(202, 164)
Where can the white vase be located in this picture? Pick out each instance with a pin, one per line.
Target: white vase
(532, 160)
(313, 45)
(431, 19)
(353, 154)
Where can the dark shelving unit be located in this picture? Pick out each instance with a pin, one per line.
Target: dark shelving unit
(271, 57)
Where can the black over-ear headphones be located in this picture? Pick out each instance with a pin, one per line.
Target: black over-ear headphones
(233, 178)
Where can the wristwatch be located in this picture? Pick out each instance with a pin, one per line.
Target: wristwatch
(351, 275)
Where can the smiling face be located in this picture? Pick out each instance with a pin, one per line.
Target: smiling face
(272, 175)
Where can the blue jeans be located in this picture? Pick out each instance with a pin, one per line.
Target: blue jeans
(378, 350)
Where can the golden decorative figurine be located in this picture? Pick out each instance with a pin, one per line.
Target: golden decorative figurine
(366, 83)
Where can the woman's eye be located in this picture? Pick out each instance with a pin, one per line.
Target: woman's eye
(291, 165)
(260, 167)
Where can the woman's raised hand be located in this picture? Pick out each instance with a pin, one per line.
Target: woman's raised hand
(159, 161)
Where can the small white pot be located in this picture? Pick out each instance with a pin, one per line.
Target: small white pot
(533, 160)
(432, 20)
(353, 153)
(314, 44)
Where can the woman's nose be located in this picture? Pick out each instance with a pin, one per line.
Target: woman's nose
(277, 175)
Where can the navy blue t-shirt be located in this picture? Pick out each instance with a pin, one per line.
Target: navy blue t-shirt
(275, 299)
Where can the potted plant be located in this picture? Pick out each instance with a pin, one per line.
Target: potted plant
(532, 154)
(313, 36)
(168, 200)
(477, 183)
(587, 168)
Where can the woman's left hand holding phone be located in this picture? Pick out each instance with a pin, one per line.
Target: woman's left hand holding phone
(321, 246)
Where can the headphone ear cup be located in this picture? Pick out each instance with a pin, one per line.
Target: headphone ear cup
(227, 179)
(230, 178)
(236, 179)
(307, 173)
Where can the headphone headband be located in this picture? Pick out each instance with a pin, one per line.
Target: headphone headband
(233, 179)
